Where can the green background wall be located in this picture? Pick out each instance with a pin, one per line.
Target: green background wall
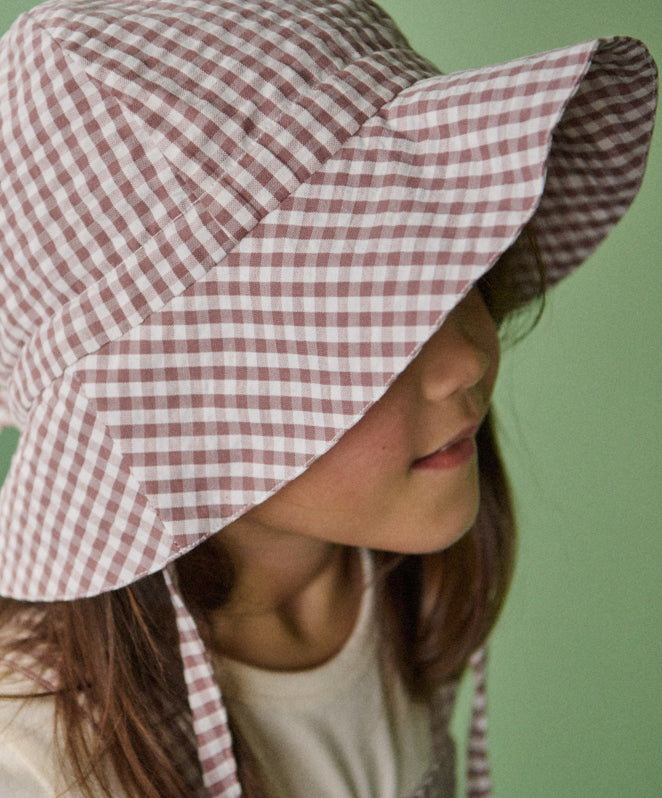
(575, 674)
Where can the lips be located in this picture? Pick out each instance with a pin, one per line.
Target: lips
(457, 451)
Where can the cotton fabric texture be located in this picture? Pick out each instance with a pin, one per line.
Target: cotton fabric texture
(381, 739)
(225, 228)
(29, 760)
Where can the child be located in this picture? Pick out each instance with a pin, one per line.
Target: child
(255, 255)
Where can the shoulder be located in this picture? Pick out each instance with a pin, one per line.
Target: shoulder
(27, 749)
(31, 762)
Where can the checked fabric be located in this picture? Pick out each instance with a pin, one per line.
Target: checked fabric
(226, 228)
(229, 229)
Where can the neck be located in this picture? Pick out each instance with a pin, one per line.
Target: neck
(294, 601)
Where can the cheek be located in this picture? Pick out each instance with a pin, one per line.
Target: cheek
(353, 482)
(366, 462)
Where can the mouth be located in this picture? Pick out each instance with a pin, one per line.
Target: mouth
(458, 451)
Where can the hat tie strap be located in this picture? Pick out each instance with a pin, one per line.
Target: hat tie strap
(210, 719)
(479, 783)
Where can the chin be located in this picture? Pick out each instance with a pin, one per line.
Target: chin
(432, 543)
(440, 538)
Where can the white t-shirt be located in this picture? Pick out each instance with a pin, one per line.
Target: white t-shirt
(341, 730)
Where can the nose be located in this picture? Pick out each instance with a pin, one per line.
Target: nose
(462, 355)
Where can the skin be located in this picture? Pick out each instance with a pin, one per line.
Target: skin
(298, 580)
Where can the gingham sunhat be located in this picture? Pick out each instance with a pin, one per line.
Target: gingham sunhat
(227, 225)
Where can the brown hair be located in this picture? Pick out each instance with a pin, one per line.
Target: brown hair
(440, 607)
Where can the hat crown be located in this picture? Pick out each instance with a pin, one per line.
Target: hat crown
(120, 118)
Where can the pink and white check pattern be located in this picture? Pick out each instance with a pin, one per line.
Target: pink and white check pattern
(210, 717)
(222, 244)
(227, 226)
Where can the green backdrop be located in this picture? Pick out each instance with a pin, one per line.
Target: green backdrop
(575, 697)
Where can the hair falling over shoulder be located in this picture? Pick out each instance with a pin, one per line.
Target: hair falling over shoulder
(120, 699)
(120, 696)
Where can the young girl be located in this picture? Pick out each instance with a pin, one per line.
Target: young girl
(255, 256)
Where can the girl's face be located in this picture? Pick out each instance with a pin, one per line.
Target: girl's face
(405, 477)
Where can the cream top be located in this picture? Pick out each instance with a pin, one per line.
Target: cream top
(340, 730)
